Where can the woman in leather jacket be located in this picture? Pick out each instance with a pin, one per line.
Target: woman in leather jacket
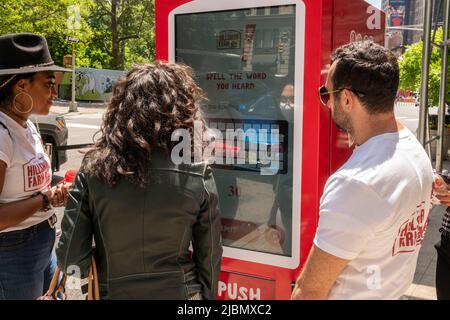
(144, 210)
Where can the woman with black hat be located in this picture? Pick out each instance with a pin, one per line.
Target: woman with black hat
(27, 235)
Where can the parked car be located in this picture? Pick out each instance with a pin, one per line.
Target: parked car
(53, 130)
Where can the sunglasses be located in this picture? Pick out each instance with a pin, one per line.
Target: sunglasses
(324, 94)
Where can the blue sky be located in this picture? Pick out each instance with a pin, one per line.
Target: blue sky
(375, 3)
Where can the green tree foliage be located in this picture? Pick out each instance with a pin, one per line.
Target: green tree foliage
(411, 66)
(112, 39)
(125, 30)
(48, 18)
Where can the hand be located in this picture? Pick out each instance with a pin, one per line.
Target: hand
(62, 192)
(58, 194)
(49, 193)
(55, 197)
(65, 187)
(440, 190)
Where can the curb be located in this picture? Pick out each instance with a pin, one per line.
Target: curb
(80, 104)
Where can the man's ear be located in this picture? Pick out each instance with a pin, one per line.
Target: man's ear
(347, 100)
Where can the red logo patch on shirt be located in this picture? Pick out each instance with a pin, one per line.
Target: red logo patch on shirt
(36, 174)
(411, 232)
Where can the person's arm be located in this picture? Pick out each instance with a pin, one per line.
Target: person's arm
(440, 190)
(207, 240)
(13, 213)
(318, 275)
(75, 244)
(350, 214)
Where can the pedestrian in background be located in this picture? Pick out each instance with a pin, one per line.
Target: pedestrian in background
(27, 235)
(374, 209)
(442, 192)
(143, 210)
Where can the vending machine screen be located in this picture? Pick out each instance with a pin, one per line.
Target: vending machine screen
(244, 60)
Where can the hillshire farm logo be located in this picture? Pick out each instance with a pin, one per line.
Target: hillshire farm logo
(411, 232)
(36, 174)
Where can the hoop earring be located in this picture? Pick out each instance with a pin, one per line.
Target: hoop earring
(14, 102)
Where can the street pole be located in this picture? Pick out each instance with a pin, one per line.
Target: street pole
(443, 90)
(73, 103)
(428, 15)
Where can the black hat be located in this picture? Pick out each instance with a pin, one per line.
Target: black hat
(25, 53)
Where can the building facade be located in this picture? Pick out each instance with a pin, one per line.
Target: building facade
(405, 22)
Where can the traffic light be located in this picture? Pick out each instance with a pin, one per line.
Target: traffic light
(280, 47)
(67, 60)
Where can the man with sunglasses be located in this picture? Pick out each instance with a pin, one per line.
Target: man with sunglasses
(374, 209)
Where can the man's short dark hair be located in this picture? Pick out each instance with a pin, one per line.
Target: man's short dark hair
(369, 69)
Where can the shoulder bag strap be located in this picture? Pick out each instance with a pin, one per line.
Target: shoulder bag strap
(93, 288)
(57, 286)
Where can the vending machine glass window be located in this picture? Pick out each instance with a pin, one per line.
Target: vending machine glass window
(245, 61)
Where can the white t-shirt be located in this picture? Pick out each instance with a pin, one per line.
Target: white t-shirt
(374, 212)
(28, 167)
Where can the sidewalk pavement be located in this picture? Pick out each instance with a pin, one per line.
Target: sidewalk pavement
(80, 104)
(62, 108)
(424, 287)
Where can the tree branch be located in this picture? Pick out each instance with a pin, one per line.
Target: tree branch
(143, 17)
(126, 7)
(102, 43)
(106, 9)
(43, 17)
(134, 36)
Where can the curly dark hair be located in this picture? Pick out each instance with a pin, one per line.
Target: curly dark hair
(148, 104)
(370, 69)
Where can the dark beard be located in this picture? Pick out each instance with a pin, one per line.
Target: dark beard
(341, 127)
(342, 122)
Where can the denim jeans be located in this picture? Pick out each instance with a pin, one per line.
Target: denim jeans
(27, 263)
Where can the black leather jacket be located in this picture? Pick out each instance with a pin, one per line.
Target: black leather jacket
(142, 236)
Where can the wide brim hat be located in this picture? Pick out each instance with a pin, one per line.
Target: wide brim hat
(26, 53)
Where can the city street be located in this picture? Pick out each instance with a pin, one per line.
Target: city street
(82, 128)
(408, 115)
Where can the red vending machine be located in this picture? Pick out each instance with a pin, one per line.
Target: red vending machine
(260, 63)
